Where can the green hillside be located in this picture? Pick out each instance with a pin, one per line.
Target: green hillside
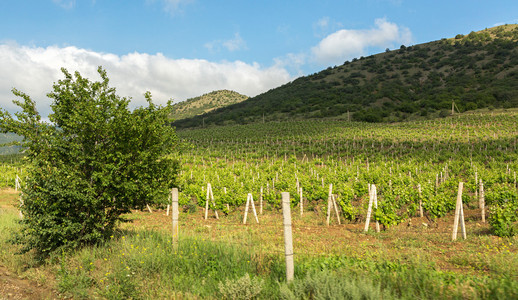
(205, 103)
(478, 70)
(7, 138)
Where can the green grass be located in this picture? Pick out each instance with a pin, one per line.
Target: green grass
(143, 264)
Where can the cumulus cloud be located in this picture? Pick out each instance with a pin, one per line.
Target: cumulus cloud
(346, 44)
(33, 70)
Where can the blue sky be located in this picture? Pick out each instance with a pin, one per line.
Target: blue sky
(184, 48)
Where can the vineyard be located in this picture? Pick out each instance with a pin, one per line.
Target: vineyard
(410, 163)
(413, 166)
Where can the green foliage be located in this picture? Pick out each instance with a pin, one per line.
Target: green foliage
(93, 163)
(332, 285)
(503, 210)
(414, 82)
(241, 288)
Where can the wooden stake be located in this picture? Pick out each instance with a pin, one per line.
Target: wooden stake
(369, 209)
(210, 196)
(288, 241)
(250, 200)
(261, 202)
(175, 213)
(329, 203)
(375, 196)
(482, 201)
(459, 215)
(420, 200)
(301, 202)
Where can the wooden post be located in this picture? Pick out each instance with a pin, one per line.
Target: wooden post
(261, 202)
(210, 196)
(482, 201)
(476, 185)
(329, 203)
(336, 209)
(420, 200)
(459, 215)
(253, 208)
(375, 196)
(301, 202)
(246, 208)
(209, 189)
(369, 209)
(175, 213)
(288, 241)
(250, 200)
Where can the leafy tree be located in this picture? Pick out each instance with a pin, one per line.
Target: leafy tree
(94, 162)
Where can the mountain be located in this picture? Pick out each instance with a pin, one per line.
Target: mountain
(205, 103)
(468, 72)
(7, 138)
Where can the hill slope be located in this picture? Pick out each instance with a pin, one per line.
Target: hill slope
(478, 70)
(205, 103)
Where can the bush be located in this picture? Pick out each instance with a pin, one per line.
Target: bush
(93, 163)
(241, 288)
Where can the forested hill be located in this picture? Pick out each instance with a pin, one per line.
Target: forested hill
(478, 70)
(205, 103)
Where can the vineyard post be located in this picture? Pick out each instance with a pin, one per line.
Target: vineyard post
(476, 183)
(246, 207)
(210, 196)
(375, 196)
(174, 197)
(253, 208)
(288, 242)
(329, 203)
(369, 209)
(261, 202)
(459, 215)
(481, 201)
(207, 202)
(301, 202)
(336, 209)
(420, 200)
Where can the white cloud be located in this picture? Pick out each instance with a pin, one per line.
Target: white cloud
(234, 44)
(33, 70)
(346, 44)
(237, 43)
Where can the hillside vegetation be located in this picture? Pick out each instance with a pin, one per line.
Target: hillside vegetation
(5, 143)
(478, 70)
(205, 103)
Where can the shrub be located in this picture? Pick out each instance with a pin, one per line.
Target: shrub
(241, 288)
(93, 163)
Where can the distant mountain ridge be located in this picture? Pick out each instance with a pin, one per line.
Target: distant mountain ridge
(206, 103)
(473, 71)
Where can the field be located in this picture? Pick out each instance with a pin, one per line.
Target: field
(412, 257)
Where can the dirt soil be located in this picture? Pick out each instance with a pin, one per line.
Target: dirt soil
(14, 287)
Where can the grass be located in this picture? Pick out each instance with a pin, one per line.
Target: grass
(223, 259)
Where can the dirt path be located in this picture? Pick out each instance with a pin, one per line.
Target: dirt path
(13, 287)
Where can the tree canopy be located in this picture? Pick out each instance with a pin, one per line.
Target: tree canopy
(93, 162)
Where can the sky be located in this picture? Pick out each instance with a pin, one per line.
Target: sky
(179, 49)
